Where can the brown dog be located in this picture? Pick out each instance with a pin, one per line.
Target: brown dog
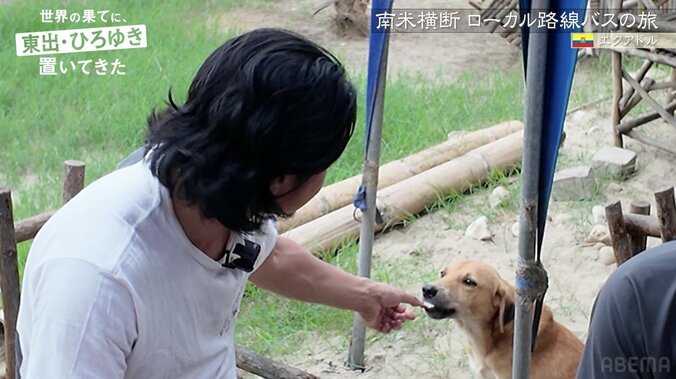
(482, 303)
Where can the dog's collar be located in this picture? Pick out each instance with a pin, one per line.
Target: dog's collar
(509, 314)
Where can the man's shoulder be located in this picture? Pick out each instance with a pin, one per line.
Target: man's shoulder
(100, 223)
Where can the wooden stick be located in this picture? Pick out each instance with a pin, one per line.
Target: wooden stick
(73, 179)
(413, 195)
(617, 94)
(618, 233)
(9, 280)
(340, 194)
(267, 368)
(27, 228)
(629, 125)
(639, 78)
(642, 224)
(649, 99)
(657, 57)
(663, 85)
(649, 4)
(666, 214)
(638, 240)
(669, 148)
(636, 98)
(671, 94)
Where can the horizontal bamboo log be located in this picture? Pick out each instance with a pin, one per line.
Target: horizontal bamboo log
(341, 193)
(413, 195)
(267, 368)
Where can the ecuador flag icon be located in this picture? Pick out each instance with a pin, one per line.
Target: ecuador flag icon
(582, 40)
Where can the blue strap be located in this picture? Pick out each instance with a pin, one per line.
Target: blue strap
(377, 42)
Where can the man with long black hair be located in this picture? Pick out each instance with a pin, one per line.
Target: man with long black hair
(141, 274)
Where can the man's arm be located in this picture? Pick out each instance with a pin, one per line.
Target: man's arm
(291, 271)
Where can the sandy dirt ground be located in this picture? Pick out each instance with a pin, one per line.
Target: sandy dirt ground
(431, 349)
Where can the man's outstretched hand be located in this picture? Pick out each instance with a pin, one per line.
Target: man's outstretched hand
(387, 312)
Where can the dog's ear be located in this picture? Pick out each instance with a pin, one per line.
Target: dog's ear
(504, 305)
(500, 303)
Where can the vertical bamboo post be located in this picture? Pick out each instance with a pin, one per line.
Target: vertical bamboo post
(619, 237)
(666, 214)
(536, 76)
(617, 95)
(638, 240)
(9, 279)
(370, 181)
(73, 179)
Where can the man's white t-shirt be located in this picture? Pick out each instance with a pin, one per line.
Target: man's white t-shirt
(113, 288)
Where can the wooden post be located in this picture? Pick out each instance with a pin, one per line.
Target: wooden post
(73, 179)
(617, 95)
(9, 279)
(267, 368)
(27, 228)
(672, 91)
(618, 233)
(666, 214)
(638, 240)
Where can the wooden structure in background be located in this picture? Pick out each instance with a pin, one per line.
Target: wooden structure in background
(628, 232)
(13, 233)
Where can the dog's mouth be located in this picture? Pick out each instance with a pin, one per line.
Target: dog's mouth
(437, 312)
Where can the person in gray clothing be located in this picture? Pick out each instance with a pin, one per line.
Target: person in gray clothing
(632, 333)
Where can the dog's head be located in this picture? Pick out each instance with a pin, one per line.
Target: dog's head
(470, 291)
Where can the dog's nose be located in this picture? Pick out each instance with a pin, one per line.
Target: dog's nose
(429, 291)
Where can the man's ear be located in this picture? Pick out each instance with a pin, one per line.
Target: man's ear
(282, 185)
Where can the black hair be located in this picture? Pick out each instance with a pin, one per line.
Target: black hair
(264, 104)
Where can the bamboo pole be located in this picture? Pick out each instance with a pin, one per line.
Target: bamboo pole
(666, 214)
(267, 368)
(370, 183)
(638, 240)
(619, 237)
(9, 280)
(341, 193)
(413, 195)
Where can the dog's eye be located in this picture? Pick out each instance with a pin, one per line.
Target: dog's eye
(442, 273)
(469, 282)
